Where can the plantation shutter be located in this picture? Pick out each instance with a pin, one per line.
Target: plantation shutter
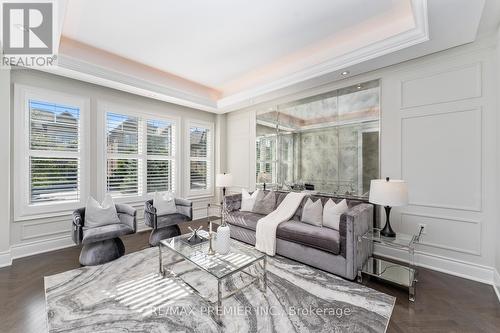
(160, 155)
(200, 158)
(122, 137)
(54, 152)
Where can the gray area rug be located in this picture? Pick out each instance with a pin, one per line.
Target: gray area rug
(127, 295)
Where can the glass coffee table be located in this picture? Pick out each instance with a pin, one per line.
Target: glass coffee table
(221, 267)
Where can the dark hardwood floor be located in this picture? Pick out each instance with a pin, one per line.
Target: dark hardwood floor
(444, 303)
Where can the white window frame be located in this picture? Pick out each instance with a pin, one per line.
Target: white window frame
(103, 108)
(209, 192)
(263, 162)
(23, 209)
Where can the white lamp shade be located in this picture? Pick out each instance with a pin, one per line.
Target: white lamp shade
(224, 180)
(391, 193)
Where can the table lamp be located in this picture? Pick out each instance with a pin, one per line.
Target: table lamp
(224, 180)
(388, 193)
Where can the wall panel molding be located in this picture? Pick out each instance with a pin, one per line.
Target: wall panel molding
(474, 226)
(42, 228)
(475, 155)
(453, 84)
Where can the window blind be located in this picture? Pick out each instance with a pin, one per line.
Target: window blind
(266, 159)
(54, 152)
(140, 155)
(159, 175)
(159, 138)
(122, 137)
(122, 134)
(122, 179)
(198, 140)
(200, 158)
(160, 151)
(53, 127)
(54, 179)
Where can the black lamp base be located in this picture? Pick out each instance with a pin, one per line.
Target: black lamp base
(387, 230)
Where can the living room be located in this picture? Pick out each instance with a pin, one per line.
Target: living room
(302, 166)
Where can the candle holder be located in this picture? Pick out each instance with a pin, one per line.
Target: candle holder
(211, 250)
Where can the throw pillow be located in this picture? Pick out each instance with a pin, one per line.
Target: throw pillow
(265, 204)
(97, 215)
(332, 213)
(247, 200)
(164, 202)
(312, 213)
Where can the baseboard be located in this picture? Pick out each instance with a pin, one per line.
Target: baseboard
(40, 246)
(496, 283)
(5, 259)
(46, 245)
(463, 269)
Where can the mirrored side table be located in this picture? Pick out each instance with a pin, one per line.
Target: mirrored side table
(404, 275)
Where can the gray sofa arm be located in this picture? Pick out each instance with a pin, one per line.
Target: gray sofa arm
(127, 215)
(233, 202)
(356, 222)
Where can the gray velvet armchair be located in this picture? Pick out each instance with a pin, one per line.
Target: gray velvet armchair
(102, 244)
(166, 226)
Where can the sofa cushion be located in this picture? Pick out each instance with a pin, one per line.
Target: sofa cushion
(298, 213)
(325, 239)
(169, 220)
(248, 200)
(265, 204)
(110, 231)
(247, 220)
(332, 212)
(312, 213)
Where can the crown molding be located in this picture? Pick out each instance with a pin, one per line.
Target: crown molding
(81, 70)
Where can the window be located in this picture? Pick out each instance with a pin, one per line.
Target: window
(200, 158)
(160, 150)
(140, 154)
(266, 159)
(122, 137)
(49, 154)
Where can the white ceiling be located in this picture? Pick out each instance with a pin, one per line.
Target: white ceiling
(218, 42)
(216, 55)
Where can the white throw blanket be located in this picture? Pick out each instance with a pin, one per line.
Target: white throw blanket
(265, 233)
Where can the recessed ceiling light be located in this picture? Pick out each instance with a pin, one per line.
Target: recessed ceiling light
(359, 86)
(344, 73)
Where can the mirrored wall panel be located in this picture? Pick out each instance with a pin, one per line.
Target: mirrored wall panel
(326, 143)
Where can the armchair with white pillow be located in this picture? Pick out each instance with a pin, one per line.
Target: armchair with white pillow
(164, 213)
(99, 228)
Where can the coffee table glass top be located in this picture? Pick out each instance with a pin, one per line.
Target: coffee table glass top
(239, 257)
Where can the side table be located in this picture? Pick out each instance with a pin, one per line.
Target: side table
(404, 275)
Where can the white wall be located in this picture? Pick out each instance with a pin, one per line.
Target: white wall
(44, 234)
(497, 233)
(5, 117)
(240, 154)
(438, 131)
